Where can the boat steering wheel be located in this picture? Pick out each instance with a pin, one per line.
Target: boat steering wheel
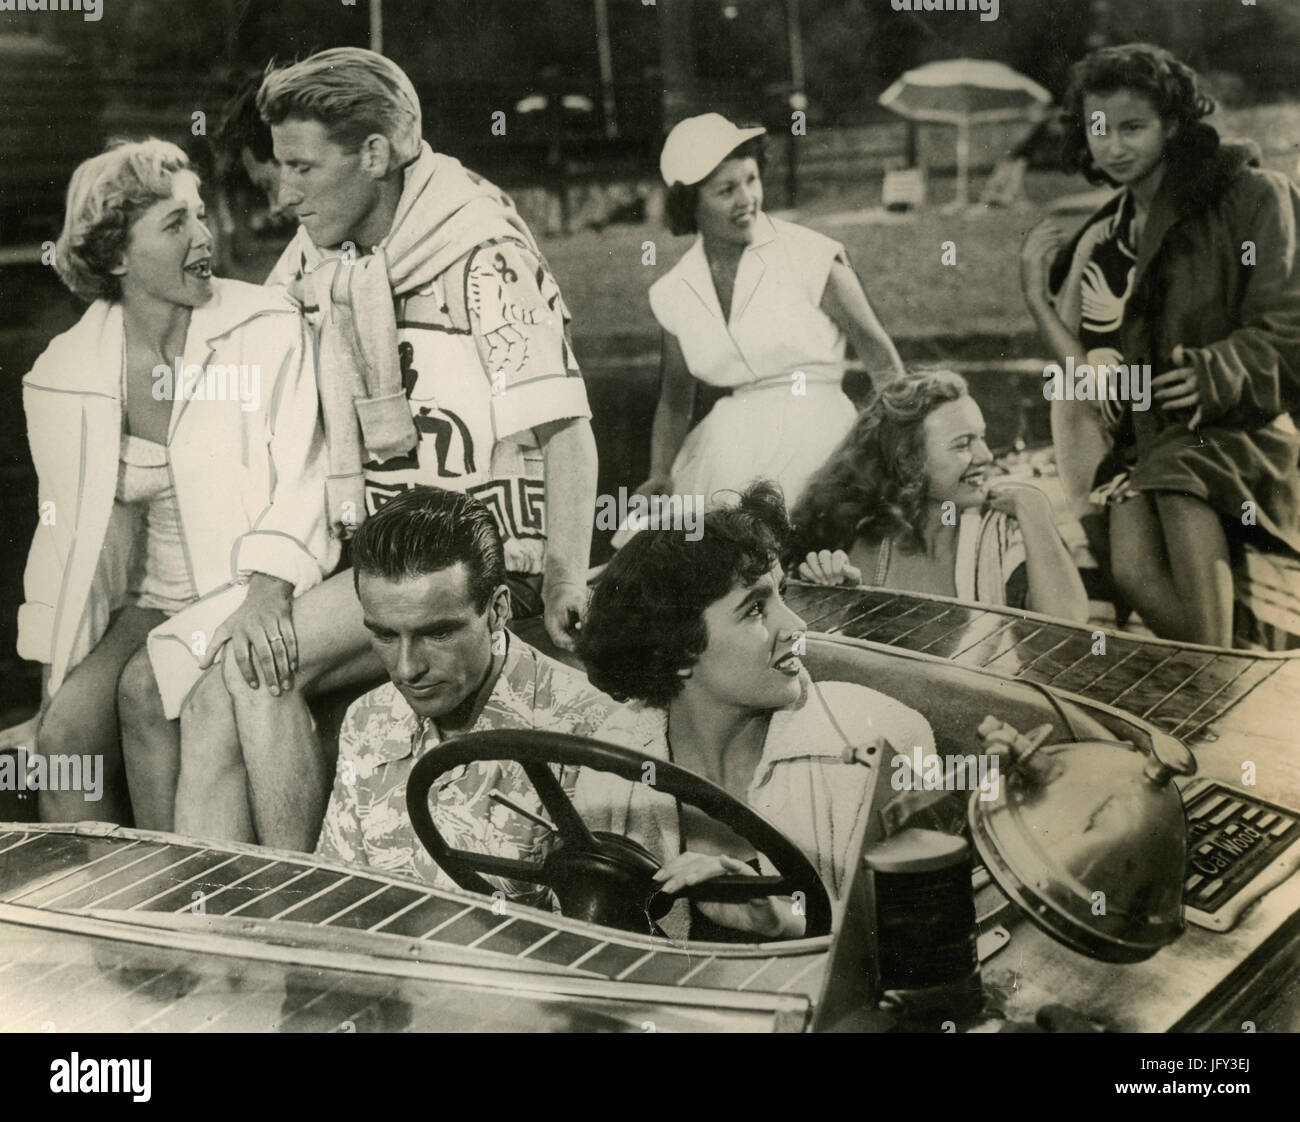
(598, 876)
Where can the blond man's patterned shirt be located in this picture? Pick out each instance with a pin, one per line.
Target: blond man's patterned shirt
(366, 822)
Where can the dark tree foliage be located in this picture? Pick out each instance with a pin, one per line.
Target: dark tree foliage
(853, 49)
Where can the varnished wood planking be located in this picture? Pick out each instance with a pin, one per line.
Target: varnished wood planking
(1185, 690)
(1209, 680)
(969, 634)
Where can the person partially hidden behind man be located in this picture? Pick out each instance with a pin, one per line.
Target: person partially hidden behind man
(430, 574)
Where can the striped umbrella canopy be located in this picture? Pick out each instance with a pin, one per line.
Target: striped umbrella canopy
(965, 89)
(962, 92)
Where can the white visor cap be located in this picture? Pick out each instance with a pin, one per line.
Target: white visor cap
(697, 145)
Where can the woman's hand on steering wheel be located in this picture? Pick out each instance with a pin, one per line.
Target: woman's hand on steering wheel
(773, 917)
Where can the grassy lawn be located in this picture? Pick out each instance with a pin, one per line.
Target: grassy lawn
(915, 295)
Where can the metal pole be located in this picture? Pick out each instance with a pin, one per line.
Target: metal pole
(606, 59)
(798, 99)
(377, 26)
(963, 162)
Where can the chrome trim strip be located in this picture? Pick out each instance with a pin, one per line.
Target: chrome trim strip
(639, 962)
(400, 912)
(328, 920)
(52, 881)
(600, 946)
(22, 840)
(141, 880)
(489, 934)
(540, 942)
(314, 896)
(696, 969)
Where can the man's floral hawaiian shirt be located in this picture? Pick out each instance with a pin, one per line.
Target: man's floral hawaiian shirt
(381, 739)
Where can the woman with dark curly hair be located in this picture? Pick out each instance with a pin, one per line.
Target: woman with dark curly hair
(906, 500)
(757, 305)
(1188, 272)
(181, 474)
(696, 634)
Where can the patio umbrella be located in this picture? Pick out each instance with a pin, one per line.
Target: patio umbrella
(962, 92)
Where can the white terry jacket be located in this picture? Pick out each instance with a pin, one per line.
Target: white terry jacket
(250, 481)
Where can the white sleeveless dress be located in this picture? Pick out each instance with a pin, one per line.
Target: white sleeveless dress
(782, 356)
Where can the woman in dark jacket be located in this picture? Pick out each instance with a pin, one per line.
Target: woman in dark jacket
(1189, 274)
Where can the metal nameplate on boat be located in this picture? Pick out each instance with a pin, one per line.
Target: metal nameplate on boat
(1238, 847)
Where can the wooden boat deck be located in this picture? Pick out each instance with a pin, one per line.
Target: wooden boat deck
(129, 874)
(1202, 695)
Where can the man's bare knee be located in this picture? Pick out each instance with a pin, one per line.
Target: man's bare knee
(208, 707)
(246, 698)
(242, 696)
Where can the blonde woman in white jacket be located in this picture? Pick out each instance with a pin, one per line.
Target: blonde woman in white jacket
(176, 439)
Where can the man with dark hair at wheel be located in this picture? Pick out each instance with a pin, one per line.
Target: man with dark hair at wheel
(430, 573)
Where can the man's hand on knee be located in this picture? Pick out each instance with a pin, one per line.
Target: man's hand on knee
(259, 636)
(231, 674)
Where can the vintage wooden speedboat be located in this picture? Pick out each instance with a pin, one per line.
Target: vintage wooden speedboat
(106, 928)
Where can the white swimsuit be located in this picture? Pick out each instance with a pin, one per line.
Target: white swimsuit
(144, 476)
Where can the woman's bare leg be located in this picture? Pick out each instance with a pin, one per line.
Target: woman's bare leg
(1201, 567)
(151, 744)
(1140, 565)
(288, 772)
(82, 721)
(1080, 441)
(1170, 558)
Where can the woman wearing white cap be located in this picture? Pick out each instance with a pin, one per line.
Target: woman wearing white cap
(759, 305)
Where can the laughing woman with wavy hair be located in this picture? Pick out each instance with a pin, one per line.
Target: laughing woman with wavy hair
(906, 502)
